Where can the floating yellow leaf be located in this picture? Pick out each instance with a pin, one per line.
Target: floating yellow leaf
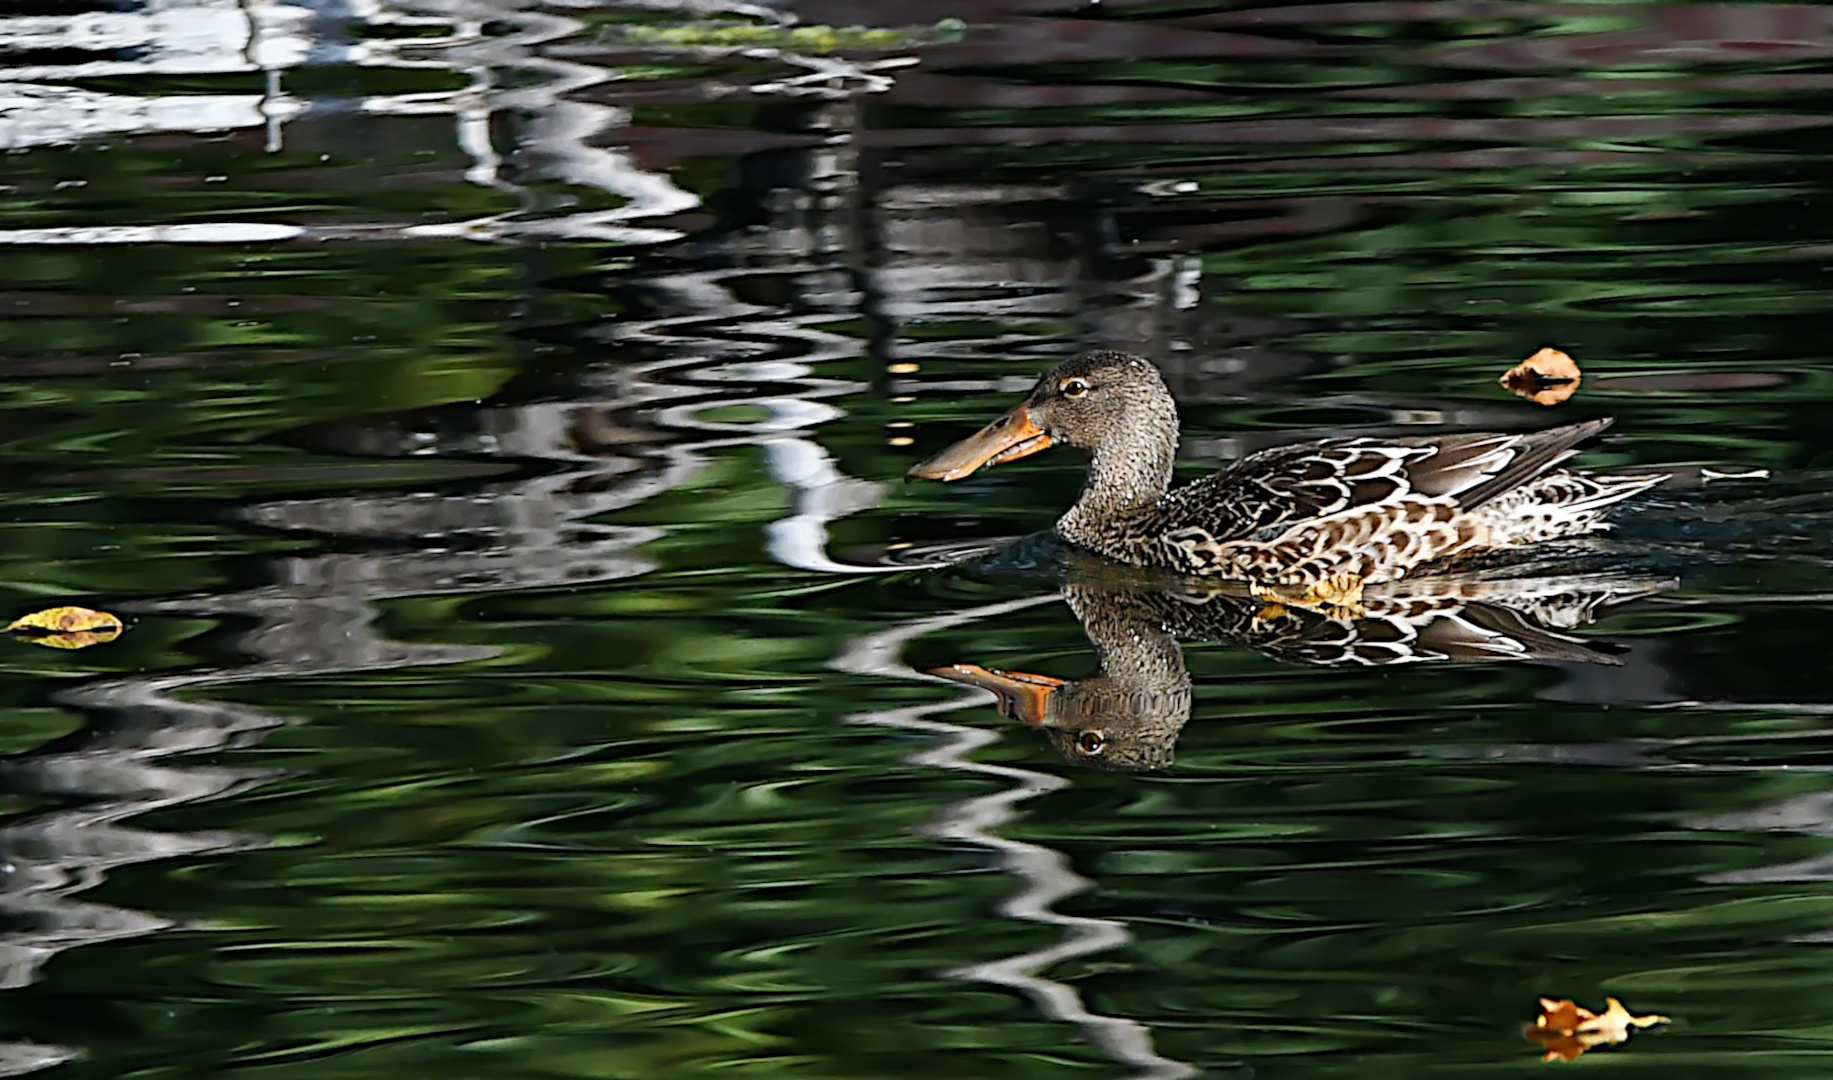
(1565, 1030)
(1546, 378)
(67, 627)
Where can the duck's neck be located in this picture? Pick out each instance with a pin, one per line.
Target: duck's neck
(1128, 473)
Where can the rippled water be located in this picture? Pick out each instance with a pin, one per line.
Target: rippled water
(489, 419)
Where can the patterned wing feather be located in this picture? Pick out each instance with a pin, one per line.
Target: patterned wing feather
(1475, 468)
(1264, 492)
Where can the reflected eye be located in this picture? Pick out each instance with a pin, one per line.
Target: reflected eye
(1091, 742)
(1073, 388)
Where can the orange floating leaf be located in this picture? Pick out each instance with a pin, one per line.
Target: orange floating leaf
(66, 627)
(1565, 1030)
(1561, 1015)
(1546, 378)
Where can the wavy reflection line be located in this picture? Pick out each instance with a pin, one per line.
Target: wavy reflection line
(1045, 871)
(717, 336)
(314, 615)
(820, 493)
(213, 39)
(559, 131)
(92, 781)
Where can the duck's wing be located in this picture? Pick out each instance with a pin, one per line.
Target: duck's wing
(1476, 467)
(1263, 493)
(1273, 488)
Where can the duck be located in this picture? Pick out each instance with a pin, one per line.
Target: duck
(1307, 522)
(1128, 715)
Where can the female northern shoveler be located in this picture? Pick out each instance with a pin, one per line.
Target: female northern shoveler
(1325, 517)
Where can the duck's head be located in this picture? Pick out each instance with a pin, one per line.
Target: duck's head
(1095, 400)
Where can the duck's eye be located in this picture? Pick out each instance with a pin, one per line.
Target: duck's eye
(1073, 388)
(1091, 742)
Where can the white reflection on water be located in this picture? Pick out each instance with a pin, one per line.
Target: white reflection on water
(211, 232)
(1045, 872)
(507, 77)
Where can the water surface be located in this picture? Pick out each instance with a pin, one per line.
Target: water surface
(489, 419)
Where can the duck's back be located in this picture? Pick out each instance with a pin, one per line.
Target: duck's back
(1378, 507)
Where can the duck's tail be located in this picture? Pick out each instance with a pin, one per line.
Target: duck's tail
(1560, 503)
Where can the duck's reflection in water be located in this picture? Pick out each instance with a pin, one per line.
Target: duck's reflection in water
(1129, 714)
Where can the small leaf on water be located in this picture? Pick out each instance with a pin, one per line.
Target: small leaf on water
(66, 627)
(1560, 1015)
(1565, 1030)
(1546, 378)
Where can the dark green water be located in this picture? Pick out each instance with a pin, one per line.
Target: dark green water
(489, 420)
